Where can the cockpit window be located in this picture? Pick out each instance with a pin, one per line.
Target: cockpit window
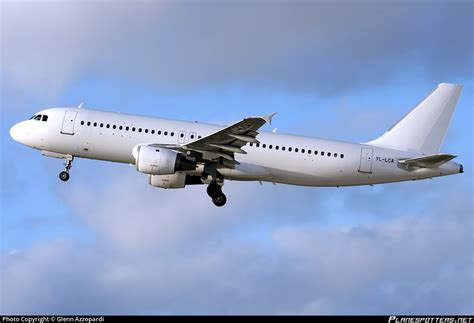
(38, 117)
(33, 117)
(45, 118)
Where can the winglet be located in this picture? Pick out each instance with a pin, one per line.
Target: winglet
(268, 118)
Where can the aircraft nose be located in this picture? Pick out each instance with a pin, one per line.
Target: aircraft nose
(15, 132)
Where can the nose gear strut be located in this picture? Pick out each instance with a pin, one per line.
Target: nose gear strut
(64, 175)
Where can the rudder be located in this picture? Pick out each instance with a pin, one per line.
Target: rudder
(423, 129)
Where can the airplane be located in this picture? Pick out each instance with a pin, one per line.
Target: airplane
(177, 153)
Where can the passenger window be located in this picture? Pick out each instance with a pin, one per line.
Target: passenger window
(251, 144)
(159, 132)
(258, 144)
(335, 154)
(276, 147)
(102, 125)
(302, 151)
(283, 148)
(121, 127)
(88, 123)
(315, 152)
(192, 136)
(329, 154)
(114, 126)
(146, 130)
(133, 129)
(342, 155)
(166, 133)
(152, 132)
(139, 129)
(296, 150)
(107, 126)
(45, 117)
(289, 148)
(199, 137)
(172, 134)
(264, 145)
(95, 124)
(82, 123)
(322, 153)
(309, 152)
(181, 135)
(270, 147)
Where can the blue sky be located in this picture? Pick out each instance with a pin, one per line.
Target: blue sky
(106, 242)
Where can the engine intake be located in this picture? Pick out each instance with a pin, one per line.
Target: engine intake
(160, 161)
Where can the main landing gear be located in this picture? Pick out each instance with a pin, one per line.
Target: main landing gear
(214, 191)
(64, 175)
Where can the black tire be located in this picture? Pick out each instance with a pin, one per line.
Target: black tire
(64, 176)
(214, 190)
(219, 200)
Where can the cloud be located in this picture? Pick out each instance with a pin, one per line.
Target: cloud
(322, 47)
(152, 253)
(272, 249)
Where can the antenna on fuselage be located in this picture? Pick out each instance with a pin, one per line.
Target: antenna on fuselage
(80, 106)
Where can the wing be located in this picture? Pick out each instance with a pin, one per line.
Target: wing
(427, 161)
(224, 143)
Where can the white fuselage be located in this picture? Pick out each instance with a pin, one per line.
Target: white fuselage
(278, 158)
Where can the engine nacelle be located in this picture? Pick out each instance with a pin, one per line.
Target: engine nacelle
(177, 180)
(160, 161)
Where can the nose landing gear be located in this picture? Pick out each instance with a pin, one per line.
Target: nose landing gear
(214, 191)
(64, 175)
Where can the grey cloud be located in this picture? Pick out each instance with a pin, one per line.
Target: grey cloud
(156, 251)
(137, 217)
(322, 47)
(403, 265)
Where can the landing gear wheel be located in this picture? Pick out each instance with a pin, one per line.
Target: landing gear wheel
(214, 190)
(219, 200)
(64, 176)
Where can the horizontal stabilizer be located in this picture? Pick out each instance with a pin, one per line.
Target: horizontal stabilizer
(427, 161)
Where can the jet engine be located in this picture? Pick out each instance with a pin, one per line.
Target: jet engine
(177, 180)
(160, 161)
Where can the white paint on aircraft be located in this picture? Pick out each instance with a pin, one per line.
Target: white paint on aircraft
(178, 153)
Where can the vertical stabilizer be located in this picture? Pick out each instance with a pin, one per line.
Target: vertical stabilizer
(423, 129)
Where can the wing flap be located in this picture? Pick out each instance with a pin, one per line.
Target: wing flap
(229, 148)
